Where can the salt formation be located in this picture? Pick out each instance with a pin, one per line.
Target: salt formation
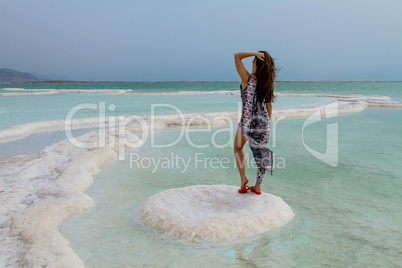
(39, 191)
(345, 104)
(214, 213)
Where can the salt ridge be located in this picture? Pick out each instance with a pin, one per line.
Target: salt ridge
(61, 91)
(40, 191)
(345, 104)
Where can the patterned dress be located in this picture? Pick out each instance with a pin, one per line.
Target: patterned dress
(255, 125)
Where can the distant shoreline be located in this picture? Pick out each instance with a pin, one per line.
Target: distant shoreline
(156, 82)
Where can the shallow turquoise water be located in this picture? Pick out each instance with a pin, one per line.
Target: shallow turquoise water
(346, 216)
(136, 87)
(349, 215)
(23, 109)
(391, 89)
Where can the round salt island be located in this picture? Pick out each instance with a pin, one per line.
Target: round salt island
(213, 213)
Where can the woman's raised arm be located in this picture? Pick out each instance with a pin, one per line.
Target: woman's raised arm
(241, 70)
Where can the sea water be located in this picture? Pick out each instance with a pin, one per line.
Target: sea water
(391, 89)
(57, 107)
(348, 215)
(345, 215)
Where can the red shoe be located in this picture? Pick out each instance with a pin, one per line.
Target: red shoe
(244, 188)
(253, 190)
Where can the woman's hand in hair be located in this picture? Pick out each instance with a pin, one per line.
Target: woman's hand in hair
(260, 56)
(241, 70)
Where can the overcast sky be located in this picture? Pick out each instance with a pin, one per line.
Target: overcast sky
(127, 40)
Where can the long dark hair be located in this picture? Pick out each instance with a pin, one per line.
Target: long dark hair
(266, 73)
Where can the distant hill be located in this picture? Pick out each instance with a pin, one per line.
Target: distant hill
(9, 76)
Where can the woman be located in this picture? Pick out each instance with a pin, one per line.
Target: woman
(257, 94)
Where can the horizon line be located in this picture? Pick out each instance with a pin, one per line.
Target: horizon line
(139, 82)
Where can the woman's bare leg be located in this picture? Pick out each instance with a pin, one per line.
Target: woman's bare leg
(239, 142)
(260, 175)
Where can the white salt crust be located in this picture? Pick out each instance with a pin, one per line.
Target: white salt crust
(344, 104)
(213, 213)
(38, 192)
